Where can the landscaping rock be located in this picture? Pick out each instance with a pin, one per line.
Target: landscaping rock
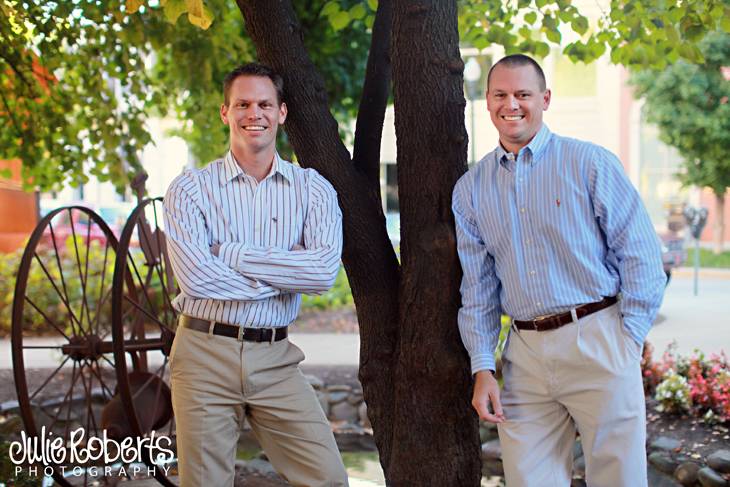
(665, 443)
(663, 462)
(719, 461)
(709, 478)
(355, 397)
(658, 479)
(686, 473)
(336, 396)
(344, 411)
(491, 450)
(492, 467)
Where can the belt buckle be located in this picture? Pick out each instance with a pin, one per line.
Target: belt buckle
(538, 318)
(240, 334)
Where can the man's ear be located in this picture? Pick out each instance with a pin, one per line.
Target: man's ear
(282, 113)
(224, 113)
(546, 99)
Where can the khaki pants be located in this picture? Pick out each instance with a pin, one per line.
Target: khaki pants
(584, 375)
(216, 381)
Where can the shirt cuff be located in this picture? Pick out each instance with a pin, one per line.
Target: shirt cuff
(482, 362)
(637, 331)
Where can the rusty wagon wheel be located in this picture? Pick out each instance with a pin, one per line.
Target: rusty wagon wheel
(63, 290)
(143, 330)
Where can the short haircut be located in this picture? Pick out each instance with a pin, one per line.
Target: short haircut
(253, 69)
(516, 60)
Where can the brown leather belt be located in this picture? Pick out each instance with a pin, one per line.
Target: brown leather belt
(234, 331)
(545, 323)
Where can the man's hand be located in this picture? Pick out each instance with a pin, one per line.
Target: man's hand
(215, 249)
(486, 391)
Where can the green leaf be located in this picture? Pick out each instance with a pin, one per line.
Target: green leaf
(580, 25)
(357, 12)
(331, 8)
(725, 20)
(531, 17)
(339, 20)
(174, 9)
(373, 4)
(553, 36)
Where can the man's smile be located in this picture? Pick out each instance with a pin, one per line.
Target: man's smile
(512, 118)
(254, 128)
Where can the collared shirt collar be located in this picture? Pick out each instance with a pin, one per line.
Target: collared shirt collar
(232, 170)
(535, 147)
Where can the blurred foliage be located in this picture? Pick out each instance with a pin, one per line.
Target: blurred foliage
(690, 103)
(79, 78)
(638, 33)
(339, 296)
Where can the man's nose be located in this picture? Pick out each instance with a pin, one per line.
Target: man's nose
(253, 112)
(512, 101)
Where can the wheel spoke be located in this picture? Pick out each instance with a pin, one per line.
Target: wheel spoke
(45, 383)
(144, 311)
(50, 321)
(63, 280)
(102, 297)
(58, 291)
(82, 277)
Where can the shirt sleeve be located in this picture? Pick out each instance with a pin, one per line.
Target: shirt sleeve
(311, 270)
(630, 236)
(200, 274)
(480, 312)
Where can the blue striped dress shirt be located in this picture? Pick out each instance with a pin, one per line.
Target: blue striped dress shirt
(557, 226)
(278, 237)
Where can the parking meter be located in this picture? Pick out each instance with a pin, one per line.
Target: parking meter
(696, 220)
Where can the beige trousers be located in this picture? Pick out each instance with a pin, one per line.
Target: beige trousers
(217, 381)
(584, 375)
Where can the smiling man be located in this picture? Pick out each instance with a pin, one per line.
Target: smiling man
(247, 235)
(551, 232)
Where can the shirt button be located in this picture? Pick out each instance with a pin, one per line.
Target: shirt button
(532, 273)
(539, 303)
(522, 210)
(257, 228)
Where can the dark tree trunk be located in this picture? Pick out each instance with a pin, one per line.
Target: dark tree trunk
(433, 381)
(413, 368)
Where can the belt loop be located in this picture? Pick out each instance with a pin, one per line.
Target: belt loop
(273, 336)
(211, 327)
(240, 334)
(574, 315)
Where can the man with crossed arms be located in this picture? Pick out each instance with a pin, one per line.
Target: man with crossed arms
(247, 234)
(551, 232)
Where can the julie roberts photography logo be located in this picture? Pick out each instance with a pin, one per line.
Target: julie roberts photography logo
(80, 454)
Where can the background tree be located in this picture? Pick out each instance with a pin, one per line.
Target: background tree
(413, 367)
(689, 104)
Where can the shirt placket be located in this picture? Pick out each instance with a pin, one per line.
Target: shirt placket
(531, 265)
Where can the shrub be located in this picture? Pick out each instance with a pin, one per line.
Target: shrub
(673, 394)
(339, 296)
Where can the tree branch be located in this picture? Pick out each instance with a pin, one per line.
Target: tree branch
(375, 91)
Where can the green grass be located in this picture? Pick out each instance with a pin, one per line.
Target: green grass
(708, 258)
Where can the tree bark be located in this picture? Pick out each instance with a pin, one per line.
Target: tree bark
(413, 368)
(718, 228)
(433, 383)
